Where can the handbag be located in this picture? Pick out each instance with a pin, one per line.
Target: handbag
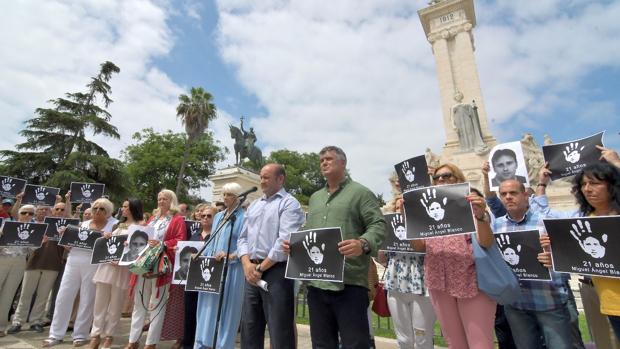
(148, 260)
(380, 303)
(495, 278)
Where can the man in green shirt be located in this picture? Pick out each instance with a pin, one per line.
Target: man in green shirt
(341, 308)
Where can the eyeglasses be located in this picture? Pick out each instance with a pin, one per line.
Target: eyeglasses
(27, 213)
(206, 216)
(98, 209)
(443, 176)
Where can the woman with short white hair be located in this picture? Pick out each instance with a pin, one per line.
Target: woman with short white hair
(78, 278)
(12, 266)
(235, 280)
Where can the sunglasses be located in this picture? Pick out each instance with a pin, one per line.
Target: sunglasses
(443, 176)
(206, 216)
(59, 209)
(27, 213)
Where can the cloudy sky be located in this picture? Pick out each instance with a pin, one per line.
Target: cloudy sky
(358, 74)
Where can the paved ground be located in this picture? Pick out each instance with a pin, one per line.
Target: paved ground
(28, 339)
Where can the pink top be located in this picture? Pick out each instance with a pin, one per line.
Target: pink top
(449, 266)
(115, 275)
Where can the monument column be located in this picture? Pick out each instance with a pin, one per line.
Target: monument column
(447, 25)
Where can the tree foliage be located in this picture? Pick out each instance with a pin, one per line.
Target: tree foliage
(195, 112)
(303, 174)
(153, 163)
(58, 150)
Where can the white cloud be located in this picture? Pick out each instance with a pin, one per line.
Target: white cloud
(361, 75)
(43, 59)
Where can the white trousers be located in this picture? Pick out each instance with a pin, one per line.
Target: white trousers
(146, 290)
(42, 282)
(78, 277)
(413, 317)
(11, 272)
(109, 301)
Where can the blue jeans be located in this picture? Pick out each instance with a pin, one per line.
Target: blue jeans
(528, 326)
(339, 312)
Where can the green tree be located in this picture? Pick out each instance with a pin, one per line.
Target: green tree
(303, 174)
(57, 150)
(195, 112)
(153, 162)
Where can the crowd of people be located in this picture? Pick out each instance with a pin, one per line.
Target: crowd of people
(57, 286)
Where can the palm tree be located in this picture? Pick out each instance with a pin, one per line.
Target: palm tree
(195, 112)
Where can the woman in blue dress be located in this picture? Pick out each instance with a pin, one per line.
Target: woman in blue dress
(233, 295)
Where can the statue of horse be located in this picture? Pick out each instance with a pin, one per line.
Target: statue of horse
(241, 151)
(235, 133)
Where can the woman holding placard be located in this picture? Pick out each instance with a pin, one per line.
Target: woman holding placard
(169, 228)
(233, 298)
(78, 278)
(597, 191)
(465, 313)
(112, 282)
(12, 266)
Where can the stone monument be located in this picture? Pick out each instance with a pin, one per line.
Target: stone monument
(448, 26)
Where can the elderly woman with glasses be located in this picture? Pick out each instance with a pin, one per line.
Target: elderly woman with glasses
(465, 313)
(42, 269)
(78, 278)
(235, 280)
(12, 265)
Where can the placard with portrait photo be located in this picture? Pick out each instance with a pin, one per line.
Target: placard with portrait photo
(314, 255)
(569, 158)
(79, 237)
(440, 210)
(17, 234)
(412, 173)
(55, 224)
(138, 237)
(11, 186)
(507, 162)
(86, 192)
(586, 245)
(183, 256)
(205, 275)
(520, 249)
(108, 250)
(39, 195)
(396, 235)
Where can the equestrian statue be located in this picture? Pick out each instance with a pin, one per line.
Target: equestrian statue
(245, 145)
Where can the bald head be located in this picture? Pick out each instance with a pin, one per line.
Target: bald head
(272, 178)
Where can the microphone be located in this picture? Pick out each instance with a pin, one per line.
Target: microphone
(245, 193)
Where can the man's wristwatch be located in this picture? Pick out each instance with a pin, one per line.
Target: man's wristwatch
(365, 246)
(258, 268)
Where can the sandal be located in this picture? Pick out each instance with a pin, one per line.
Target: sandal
(80, 342)
(50, 342)
(107, 343)
(94, 342)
